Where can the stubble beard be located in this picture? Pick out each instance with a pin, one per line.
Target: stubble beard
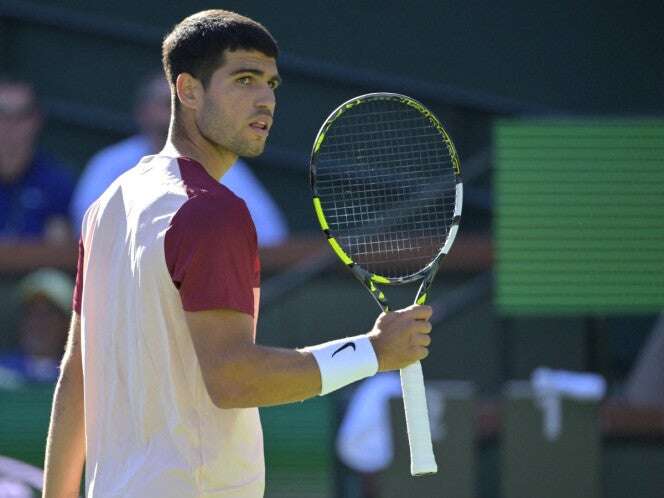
(238, 145)
(247, 148)
(214, 129)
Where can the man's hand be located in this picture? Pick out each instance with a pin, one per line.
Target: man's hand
(401, 337)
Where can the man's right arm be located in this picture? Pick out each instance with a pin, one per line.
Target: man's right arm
(65, 447)
(239, 374)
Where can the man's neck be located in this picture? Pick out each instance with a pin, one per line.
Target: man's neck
(181, 142)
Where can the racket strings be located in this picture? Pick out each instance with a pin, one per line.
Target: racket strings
(386, 182)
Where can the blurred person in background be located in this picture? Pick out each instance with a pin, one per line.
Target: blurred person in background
(644, 386)
(35, 189)
(45, 298)
(152, 112)
(364, 440)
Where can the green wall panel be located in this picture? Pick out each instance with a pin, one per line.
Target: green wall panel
(579, 220)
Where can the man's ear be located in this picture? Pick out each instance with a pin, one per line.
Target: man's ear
(189, 91)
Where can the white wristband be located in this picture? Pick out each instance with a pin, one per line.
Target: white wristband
(344, 361)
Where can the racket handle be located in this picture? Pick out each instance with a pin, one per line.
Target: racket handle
(422, 460)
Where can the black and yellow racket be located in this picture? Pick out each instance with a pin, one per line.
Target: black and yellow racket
(387, 193)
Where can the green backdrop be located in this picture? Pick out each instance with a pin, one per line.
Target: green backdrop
(579, 219)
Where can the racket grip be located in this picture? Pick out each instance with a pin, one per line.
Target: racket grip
(422, 460)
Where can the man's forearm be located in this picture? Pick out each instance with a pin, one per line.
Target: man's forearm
(65, 447)
(264, 376)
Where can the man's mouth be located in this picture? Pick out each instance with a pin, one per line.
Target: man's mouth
(260, 125)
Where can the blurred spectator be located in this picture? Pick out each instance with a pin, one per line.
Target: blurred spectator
(645, 384)
(152, 114)
(364, 441)
(35, 190)
(45, 298)
(13, 489)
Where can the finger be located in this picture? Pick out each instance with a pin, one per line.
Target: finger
(422, 340)
(419, 327)
(418, 311)
(421, 352)
(422, 327)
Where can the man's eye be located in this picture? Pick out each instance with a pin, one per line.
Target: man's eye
(273, 84)
(245, 80)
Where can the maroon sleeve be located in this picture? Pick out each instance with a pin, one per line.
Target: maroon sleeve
(78, 288)
(211, 254)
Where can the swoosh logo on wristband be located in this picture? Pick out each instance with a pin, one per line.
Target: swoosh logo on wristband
(347, 345)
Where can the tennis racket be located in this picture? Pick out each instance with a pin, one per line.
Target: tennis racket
(387, 193)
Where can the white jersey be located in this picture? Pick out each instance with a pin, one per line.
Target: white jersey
(164, 238)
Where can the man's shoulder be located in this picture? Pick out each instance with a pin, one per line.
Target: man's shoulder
(214, 208)
(204, 192)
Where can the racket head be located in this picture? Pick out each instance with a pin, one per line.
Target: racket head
(386, 184)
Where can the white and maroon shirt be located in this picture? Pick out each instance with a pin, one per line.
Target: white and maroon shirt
(165, 238)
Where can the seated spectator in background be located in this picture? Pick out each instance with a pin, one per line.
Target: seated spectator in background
(35, 190)
(45, 297)
(152, 114)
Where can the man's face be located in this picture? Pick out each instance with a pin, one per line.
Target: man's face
(20, 122)
(239, 103)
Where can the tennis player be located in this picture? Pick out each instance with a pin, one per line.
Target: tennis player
(162, 375)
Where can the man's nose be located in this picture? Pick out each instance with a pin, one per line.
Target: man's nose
(267, 100)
